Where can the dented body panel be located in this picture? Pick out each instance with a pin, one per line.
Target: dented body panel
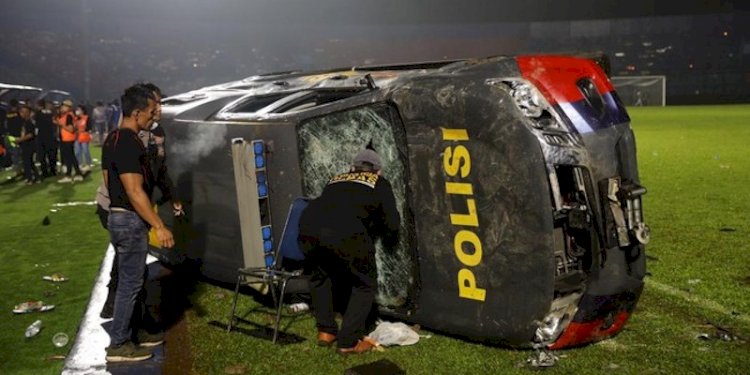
(516, 180)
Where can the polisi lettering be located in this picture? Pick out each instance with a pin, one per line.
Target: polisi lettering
(466, 243)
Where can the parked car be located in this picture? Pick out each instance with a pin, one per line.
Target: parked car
(515, 177)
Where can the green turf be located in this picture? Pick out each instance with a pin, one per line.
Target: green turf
(73, 244)
(693, 161)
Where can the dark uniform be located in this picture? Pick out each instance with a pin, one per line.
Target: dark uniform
(47, 134)
(337, 233)
(28, 149)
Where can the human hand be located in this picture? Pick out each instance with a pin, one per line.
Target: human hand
(165, 237)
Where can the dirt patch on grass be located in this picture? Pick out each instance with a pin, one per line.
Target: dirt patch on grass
(178, 356)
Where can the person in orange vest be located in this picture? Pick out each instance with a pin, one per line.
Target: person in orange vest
(66, 121)
(83, 128)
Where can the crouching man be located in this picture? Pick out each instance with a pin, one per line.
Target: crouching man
(337, 234)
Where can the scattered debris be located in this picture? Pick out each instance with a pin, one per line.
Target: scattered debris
(31, 306)
(394, 333)
(56, 357)
(542, 359)
(53, 210)
(60, 339)
(613, 366)
(727, 229)
(693, 281)
(720, 333)
(56, 277)
(33, 329)
(298, 307)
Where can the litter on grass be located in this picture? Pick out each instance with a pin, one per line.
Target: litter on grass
(31, 306)
(542, 359)
(389, 334)
(55, 277)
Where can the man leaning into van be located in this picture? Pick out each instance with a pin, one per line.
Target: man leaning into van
(337, 234)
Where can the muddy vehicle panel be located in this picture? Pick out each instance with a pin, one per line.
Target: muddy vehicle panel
(516, 180)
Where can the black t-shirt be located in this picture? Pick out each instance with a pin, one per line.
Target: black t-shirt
(14, 122)
(123, 152)
(27, 127)
(351, 205)
(46, 128)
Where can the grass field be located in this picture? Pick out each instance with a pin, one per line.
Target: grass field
(693, 160)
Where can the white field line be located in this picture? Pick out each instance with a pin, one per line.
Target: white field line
(88, 355)
(702, 302)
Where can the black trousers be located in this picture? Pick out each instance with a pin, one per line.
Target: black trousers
(348, 266)
(30, 173)
(47, 156)
(69, 158)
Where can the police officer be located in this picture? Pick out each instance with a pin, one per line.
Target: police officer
(337, 234)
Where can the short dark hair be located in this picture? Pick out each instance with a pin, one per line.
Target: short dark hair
(153, 88)
(135, 97)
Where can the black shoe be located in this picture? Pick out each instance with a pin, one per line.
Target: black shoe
(127, 352)
(147, 340)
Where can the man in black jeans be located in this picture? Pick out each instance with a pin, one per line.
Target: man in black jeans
(337, 234)
(47, 135)
(126, 172)
(27, 142)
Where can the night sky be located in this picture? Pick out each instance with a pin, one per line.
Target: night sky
(113, 42)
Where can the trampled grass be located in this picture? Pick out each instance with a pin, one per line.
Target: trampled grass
(73, 244)
(694, 162)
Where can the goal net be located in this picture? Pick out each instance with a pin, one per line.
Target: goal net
(641, 90)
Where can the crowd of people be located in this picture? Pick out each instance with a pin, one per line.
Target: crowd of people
(41, 133)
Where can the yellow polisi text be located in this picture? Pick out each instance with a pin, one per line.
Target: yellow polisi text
(466, 243)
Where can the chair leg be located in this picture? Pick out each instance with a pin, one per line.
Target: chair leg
(234, 303)
(279, 305)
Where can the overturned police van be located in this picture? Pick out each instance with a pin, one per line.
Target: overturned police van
(515, 177)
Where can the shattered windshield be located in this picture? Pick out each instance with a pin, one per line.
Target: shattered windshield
(327, 146)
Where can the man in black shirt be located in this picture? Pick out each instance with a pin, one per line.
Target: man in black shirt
(338, 231)
(129, 180)
(27, 143)
(46, 138)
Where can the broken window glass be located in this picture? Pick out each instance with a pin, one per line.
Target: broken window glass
(327, 146)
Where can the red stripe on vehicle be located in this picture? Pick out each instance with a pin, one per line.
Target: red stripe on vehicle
(579, 333)
(556, 76)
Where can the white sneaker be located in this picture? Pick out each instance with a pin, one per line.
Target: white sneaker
(77, 178)
(65, 179)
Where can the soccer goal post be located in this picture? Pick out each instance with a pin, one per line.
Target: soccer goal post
(641, 90)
